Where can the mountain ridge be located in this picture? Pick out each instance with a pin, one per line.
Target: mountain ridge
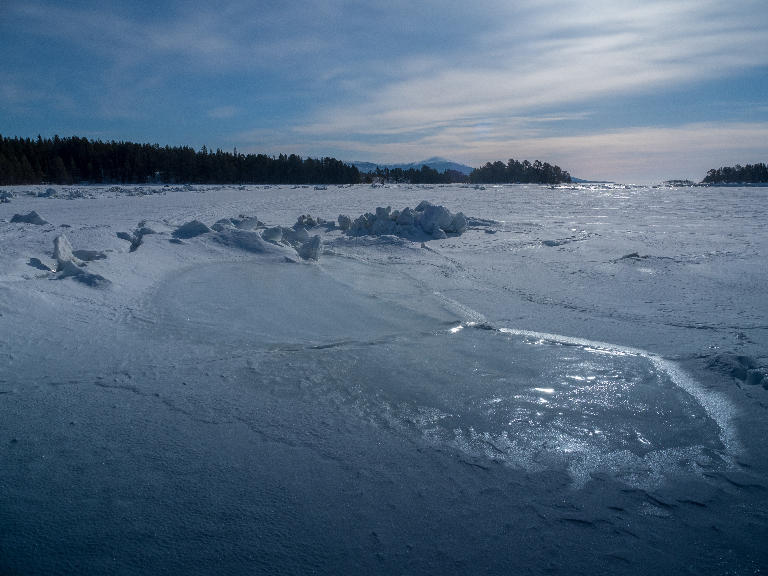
(436, 162)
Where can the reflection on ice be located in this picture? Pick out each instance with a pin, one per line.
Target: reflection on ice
(497, 396)
(533, 401)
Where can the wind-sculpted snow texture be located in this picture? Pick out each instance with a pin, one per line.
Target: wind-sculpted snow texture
(531, 380)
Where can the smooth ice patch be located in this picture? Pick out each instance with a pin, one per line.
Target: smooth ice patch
(263, 303)
(530, 403)
(354, 338)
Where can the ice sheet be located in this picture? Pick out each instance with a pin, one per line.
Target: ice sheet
(517, 396)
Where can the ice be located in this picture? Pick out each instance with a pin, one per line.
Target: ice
(426, 221)
(312, 249)
(272, 234)
(190, 230)
(31, 218)
(68, 269)
(565, 380)
(278, 303)
(247, 223)
(62, 252)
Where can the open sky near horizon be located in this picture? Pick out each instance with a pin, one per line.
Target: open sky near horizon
(624, 90)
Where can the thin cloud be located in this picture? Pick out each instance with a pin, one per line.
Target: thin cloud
(628, 52)
(392, 79)
(224, 112)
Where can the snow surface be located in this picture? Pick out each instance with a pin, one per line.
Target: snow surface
(572, 385)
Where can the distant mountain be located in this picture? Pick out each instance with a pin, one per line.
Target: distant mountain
(436, 163)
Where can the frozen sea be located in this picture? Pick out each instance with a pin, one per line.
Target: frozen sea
(571, 386)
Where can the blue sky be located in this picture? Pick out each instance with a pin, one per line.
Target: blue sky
(633, 91)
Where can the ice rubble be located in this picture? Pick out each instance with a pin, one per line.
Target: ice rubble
(241, 223)
(432, 220)
(308, 248)
(426, 221)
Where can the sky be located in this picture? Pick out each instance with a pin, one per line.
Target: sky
(622, 90)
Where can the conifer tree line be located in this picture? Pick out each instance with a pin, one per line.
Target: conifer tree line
(522, 172)
(74, 160)
(492, 173)
(425, 175)
(749, 174)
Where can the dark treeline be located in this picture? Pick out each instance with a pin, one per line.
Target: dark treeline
(425, 175)
(75, 160)
(516, 171)
(751, 173)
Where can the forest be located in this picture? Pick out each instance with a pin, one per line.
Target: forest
(523, 172)
(425, 175)
(749, 174)
(76, 160)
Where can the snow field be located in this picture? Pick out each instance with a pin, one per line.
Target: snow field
(469, 404)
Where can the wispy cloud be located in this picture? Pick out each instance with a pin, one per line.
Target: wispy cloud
(392, 79)
(223, 112)
(606, 49)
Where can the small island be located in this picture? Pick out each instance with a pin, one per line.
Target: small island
(749, 174)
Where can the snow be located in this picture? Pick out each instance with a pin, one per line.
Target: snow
(192, 229)
(528, 380)
(31, 218)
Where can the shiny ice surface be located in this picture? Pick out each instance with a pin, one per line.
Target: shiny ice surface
(536, 392)
(531, 401)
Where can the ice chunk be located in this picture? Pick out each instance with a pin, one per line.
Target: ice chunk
(249, 223)
(222, 224)
(31, 218)
(406, 218)
(191, 229)
(344, 222)
(272, 234)
(295, 237)
(459, 223)
(62, 252)
(382, 226)
(436, 218)
(423, 206)
(439, 235)
(311, 250)
(307, 220)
